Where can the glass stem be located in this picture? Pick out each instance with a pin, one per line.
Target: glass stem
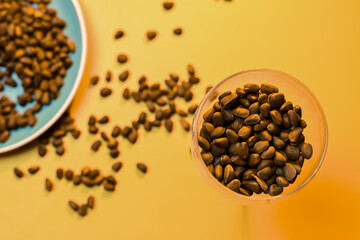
(245, 223)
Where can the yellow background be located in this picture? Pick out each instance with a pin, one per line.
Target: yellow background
(316, 41)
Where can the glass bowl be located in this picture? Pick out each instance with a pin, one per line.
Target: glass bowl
(295, 91)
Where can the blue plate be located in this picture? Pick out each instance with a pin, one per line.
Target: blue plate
(68, 10)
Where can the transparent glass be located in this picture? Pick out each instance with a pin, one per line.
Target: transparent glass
(315, 133)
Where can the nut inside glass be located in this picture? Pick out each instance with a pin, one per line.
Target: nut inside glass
(295, 91)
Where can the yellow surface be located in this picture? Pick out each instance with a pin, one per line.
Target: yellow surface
(315, 41)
